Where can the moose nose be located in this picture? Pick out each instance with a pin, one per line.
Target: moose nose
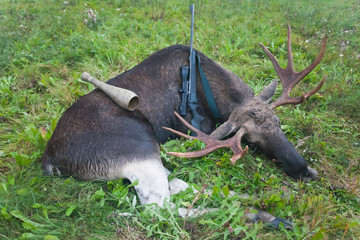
(277, 146)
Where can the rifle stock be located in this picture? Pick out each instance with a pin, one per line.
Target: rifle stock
(196, 117)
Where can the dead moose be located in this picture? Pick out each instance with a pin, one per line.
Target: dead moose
(97, 139)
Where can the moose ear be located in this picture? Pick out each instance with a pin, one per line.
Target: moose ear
(268, 92)
(223, 130)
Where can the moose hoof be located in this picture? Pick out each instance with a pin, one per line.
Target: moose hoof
(177, 185)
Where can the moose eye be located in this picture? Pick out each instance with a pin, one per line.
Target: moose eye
(256, 116)
(252, 113)
(259, 120)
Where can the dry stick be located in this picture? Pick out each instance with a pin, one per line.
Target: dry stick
(301, 142)
(289, 185)
(4, 236)
(193, 202)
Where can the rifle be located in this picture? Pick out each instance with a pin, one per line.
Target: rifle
(188, 91)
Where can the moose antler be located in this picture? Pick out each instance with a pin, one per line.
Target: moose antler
(211, 143)
(289, 78)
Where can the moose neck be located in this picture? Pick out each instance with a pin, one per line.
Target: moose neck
(228, 89)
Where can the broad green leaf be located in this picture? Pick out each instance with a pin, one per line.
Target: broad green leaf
(19, 215)
(70, 210)
(4, 186)
(98, 194)
(4, 213)
(28, 236)
(51, 237)
(225, 190)
(319, 235)
(102, 202)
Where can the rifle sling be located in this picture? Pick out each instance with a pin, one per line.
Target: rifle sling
(207, 90)
(208, 93)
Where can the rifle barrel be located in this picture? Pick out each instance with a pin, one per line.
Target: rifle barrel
(192, 9)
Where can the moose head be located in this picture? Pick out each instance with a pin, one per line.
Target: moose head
(255, 121)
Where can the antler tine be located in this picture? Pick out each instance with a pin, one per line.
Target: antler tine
(307, 70)
(211, 143)
(188, 125)
(289, 78)
(289, 50)
(277, 67)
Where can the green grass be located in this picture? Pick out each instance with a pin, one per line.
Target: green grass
(46, 45)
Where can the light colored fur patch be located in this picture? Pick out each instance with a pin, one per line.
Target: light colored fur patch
(152, 180)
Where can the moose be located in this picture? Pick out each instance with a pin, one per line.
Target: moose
(97, 139)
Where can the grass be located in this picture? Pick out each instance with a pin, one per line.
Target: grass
(46, 45)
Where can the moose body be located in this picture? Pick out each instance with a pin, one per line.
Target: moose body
(96, 139)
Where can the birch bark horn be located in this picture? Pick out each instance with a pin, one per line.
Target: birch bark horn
(124, 98)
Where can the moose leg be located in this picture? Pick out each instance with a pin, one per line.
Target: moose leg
(153, 185)
(152, 180)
